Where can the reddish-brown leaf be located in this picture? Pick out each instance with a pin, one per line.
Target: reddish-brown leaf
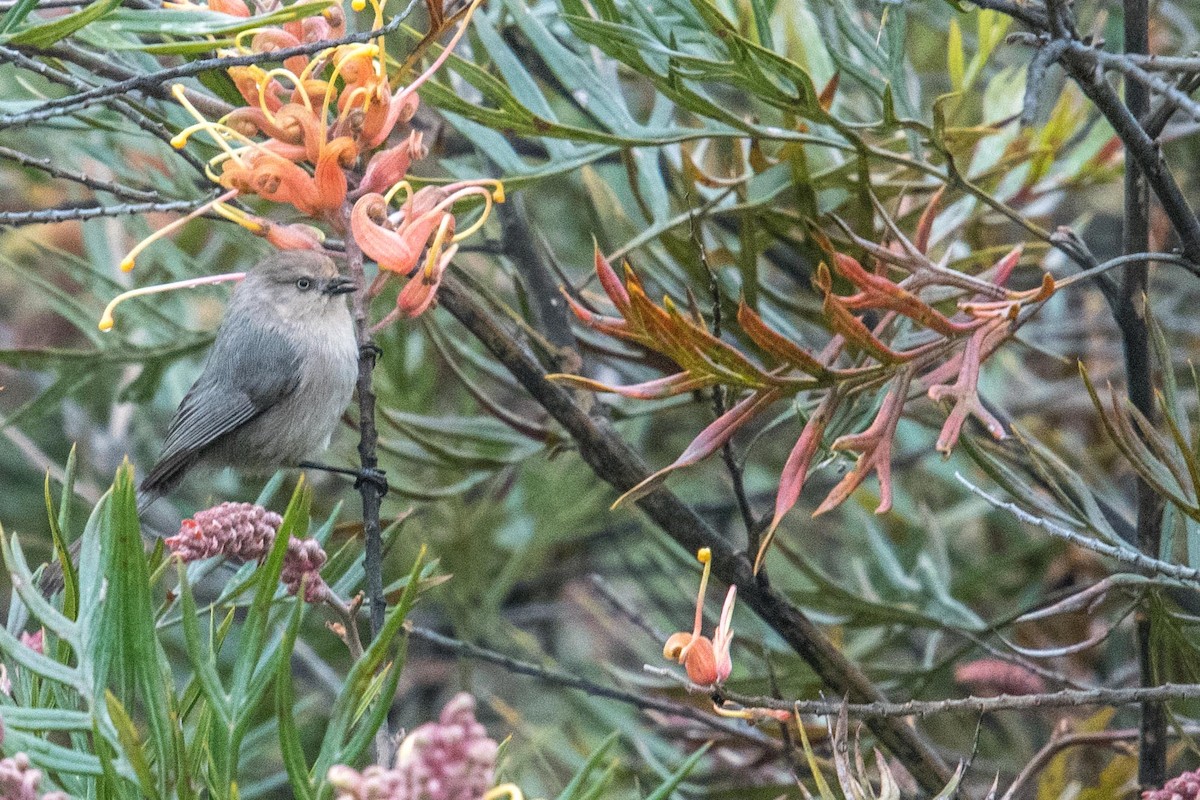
(776, 344)
(795, 470)
(711, 439)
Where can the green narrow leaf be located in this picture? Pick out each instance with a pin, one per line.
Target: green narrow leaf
(16, 15)
(48, 33)
(118, 635)
(285, 701)
(130, 743)
(955, 62)
(360, 676)
(580, 778)
(203, 663)
(671, 784)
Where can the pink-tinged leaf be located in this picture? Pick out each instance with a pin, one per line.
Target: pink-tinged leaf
(716, 354)
(849, 326)
(1005, 266)
(925, 224)
(776, 344)
(875, 448)
(791, 480)
(707, 442)
(650, 390)
(965, 393)
(611, 283)
(613, 326)
(880, 292)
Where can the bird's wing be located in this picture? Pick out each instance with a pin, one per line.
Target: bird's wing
(241, 380)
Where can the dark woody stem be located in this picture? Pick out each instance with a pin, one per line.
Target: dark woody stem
(368, 436)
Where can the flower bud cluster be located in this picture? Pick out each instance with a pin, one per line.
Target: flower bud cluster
(1182, 787)
(245, 532)
(450, 759)
(19, 780)
(237, 530)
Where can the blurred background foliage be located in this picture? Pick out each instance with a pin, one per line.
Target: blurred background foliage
(659, 131)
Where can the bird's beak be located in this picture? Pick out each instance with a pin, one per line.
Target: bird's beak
(338, 285)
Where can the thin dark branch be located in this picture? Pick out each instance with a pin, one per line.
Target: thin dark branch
(1126, 260)
(1066, 698)
(1130, 314)
(574, 681)
(98, 184)
(121, 105)
(103, 65)
(612, 460)
(1064, 742)
(752, 524)
(1147, 565)
(368, 437)
(92, 212)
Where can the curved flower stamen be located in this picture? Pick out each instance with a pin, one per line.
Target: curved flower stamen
(298, 87)
(131, 256)
(212, 128)
(106, 319)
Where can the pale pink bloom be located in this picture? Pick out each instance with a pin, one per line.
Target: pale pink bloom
(237, 530)
(1182, 787)
(450, 759)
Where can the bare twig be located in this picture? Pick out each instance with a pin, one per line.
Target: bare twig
(92, 212)
(371, 491)
(98, 184)
(157, 82)
(1139, 561)
(121, 105)
(1059, 743)
(644, 702)
(753, 526)
(1130, 314)
(348, 614)
(1066, 698)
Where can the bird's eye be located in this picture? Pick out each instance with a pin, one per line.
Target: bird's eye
(303, 284)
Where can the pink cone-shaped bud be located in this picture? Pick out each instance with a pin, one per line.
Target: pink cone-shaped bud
(237, 530)
(302, 565)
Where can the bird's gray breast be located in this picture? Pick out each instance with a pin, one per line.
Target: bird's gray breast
(302, 423)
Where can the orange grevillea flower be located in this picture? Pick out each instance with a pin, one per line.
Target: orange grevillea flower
(708, 661)
(396, 241)
(307, 122)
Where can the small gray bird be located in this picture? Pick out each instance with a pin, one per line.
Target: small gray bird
(276, 380)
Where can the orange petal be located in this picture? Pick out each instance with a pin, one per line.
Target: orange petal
(701, 662)
(676, 645)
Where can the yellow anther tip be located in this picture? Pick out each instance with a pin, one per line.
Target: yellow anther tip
(704, 555)
(498, 195)
(178, 142)
(358, 5)
(127, 264)
(106, 324)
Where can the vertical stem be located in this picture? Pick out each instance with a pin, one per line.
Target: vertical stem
(1131, 318)
(368, 436)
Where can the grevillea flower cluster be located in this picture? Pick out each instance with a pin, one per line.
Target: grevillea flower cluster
(450, 759)
(245, 532)
(19, 780)
(1182, 787)
(329, 136)
(964, 319)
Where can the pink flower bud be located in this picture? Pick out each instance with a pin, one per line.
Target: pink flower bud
(237, 530)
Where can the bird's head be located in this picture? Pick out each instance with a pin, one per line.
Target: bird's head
(298, 284)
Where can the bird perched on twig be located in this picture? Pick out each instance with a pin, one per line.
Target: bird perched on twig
(276, 380)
